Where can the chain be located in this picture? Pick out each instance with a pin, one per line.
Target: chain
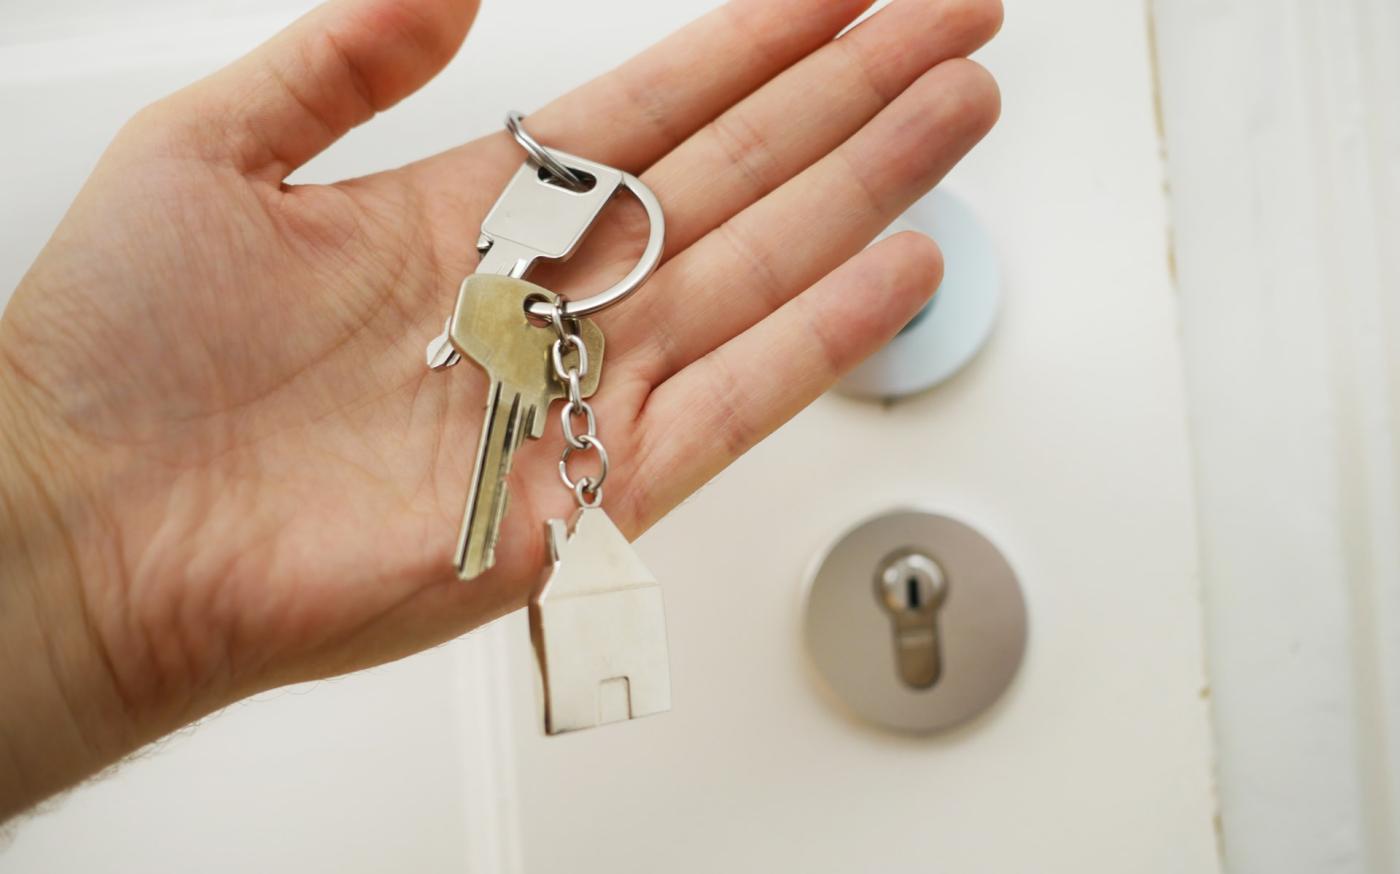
(588, 490)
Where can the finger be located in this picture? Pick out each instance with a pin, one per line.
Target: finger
(282, 104)
(639, 111)
(763, 141)
(779, 130)
(755, 262)
(643, 109)
(716, 409)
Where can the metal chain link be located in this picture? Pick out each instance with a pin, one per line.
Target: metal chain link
(588, 489)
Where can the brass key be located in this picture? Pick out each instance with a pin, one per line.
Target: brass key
(490, 327)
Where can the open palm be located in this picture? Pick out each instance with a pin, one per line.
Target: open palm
(229, 369)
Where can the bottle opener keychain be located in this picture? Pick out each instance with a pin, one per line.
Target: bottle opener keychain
(596, 620)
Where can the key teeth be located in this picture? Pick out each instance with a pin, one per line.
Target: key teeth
(489, 494)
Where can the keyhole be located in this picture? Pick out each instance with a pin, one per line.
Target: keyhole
(911, 587)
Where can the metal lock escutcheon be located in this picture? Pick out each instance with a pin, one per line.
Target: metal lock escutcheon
(915, 621)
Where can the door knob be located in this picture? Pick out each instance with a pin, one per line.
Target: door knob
(949, 331)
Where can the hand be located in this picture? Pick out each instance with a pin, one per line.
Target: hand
(229, 467)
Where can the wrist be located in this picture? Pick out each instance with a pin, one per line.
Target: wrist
(62, 717)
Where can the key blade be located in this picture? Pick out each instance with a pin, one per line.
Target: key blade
(501, 432)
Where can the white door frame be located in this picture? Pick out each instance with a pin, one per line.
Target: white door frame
(1282, 131)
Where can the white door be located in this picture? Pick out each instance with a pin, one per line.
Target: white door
(1065, 442)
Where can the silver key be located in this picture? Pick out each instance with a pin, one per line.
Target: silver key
(533, 219)
(598, 627)
(490, 327)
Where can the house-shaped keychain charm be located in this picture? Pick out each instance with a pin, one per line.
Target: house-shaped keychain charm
(599, 628)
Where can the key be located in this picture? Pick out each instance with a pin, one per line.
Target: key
(490, 327)
(533, 219)
(598, 626)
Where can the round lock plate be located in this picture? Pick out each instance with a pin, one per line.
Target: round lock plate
(862, 643)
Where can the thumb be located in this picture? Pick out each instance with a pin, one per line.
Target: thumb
(286, 101)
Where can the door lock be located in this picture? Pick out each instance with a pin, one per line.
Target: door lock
(915, 621)
(912, 588)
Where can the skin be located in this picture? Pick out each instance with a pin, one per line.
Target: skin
(223, 465)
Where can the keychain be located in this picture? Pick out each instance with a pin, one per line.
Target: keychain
(596, 621)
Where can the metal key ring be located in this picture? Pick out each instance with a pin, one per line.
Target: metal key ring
(646, 264)
(544, 157)
(645, 267)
